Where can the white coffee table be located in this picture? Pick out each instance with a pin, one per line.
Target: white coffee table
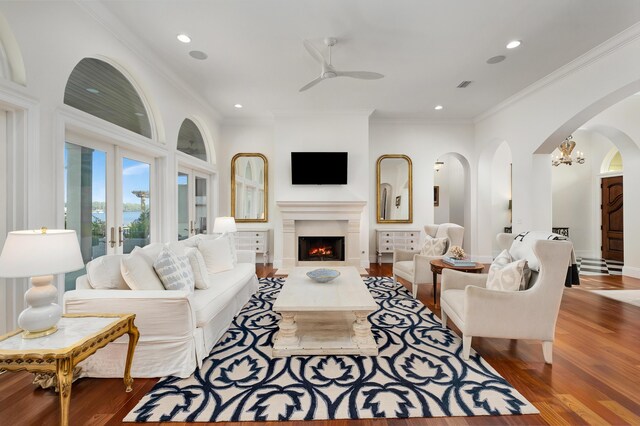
(324, 319)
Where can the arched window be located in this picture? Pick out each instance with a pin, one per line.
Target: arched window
(99, 89)
(4, 64)
(615, 165)
(190, 140)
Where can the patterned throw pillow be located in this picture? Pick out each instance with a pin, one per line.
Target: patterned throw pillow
(434, 246)
(174, 271)
(506, 274)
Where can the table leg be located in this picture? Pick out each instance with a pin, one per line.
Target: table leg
(64, 372)
(362, 330)
(435, 288)
(287, 330)
(134, 334)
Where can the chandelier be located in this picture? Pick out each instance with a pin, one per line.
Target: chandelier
(438, 165)
(566, 147)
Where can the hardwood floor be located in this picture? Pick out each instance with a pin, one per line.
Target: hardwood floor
(595, 377)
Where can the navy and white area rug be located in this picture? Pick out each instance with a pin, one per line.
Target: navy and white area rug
(419, 372)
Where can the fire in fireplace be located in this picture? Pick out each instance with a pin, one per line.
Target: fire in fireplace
(320, 248)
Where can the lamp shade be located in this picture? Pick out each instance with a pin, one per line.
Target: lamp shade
(40, 252)
(224, 224)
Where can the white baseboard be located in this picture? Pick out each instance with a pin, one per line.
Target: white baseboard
(631, 271)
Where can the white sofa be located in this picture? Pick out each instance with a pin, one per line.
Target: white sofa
(177, 329)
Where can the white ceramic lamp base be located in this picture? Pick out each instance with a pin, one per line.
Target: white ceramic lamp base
(42, 314)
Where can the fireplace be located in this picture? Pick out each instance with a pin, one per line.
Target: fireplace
(320, 249)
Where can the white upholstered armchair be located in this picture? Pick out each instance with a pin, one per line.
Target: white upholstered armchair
(527, 314)
(414, 267)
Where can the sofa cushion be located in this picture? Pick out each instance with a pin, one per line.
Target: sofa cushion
(199, 267)
(217, 254)
(137, 271)
(104, 273)
(174, 271)
(207, 303)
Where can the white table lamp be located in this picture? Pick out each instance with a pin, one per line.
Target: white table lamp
(224, 224)
(40, 254)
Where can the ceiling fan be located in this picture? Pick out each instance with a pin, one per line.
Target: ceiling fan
(328, 71)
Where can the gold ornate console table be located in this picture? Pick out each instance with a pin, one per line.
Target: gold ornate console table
(78, 337)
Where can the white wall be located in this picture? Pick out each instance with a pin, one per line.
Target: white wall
(501, 192)
(536, 120)
(340, 131)
(424, 142)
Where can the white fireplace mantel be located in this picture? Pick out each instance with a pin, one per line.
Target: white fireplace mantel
(345, 211)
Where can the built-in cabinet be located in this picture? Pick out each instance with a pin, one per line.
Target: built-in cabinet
(256, 240)
(387, 240)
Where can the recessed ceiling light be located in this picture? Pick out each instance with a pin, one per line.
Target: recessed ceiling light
(496, 59)
(184, 38)
(238, 106)
(92, 90)
(513, 44)
(198, 54)
(139, 114)
(438, 107)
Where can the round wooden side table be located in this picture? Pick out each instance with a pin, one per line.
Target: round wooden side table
(437, 265)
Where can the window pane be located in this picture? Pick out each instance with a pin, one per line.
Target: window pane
(183, 206)
(201, 205)
(85, 202)
(136, 178)
(99, 89)
(190, 140)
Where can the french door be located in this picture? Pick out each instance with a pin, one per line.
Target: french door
(193, 202)
(108, 198)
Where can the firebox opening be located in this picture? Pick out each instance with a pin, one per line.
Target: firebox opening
(320, 248)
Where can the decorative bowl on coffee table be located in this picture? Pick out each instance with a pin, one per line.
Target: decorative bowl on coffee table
(323, 275)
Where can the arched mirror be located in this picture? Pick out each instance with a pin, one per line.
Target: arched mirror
(249, 187)
(394, 189)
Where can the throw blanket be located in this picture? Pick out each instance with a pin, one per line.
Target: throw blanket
(522, 248)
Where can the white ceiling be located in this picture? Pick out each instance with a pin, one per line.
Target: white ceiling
(423, 47)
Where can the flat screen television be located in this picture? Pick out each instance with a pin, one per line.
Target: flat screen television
(319, 168)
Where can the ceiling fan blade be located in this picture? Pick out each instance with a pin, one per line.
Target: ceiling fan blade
(365, 75)
(315, 53)
(311, 84)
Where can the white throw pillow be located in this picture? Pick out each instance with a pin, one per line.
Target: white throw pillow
(152, 251)
(434, 246)
(217, 254)
(504, 258)
(137, 270)
(199, 267)
(507, 275)
(174, 271)
(104, 273)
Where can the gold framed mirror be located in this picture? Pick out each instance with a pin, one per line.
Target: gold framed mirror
(394, 189)
(249, 187)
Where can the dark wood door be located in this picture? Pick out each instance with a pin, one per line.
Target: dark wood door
(612, 223)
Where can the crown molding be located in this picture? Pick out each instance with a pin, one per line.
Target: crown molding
(248, 121)
(112, 24)
(421, 121)
(597, 53)
(312, 114)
